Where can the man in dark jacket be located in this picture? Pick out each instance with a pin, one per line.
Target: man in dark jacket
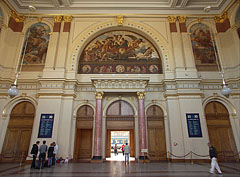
(42, 150)
(34, 153)
(213, 156)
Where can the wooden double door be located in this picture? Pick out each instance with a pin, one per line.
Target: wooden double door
(18, 135)
(220, 132)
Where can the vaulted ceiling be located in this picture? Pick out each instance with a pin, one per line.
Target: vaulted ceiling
(121, 6)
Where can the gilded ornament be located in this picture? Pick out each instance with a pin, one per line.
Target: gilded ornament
(58, 18)
(16, 17)
(120, 20)
(222, 18)
(141, 95)
(182, 19)
(99, 95)
(172, 19)
(199, 20)
(67, 18)
(40, 19)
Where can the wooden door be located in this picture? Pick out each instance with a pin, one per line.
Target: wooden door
(83, 144)
(132, 144)
(108, 144)
(220, 132)
(156, 134)
(18, 135)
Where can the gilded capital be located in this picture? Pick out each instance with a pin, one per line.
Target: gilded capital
(99, 95)
(222, 18)
(141, 95)
(120, 20)
(16, 17)
(172, 19)
(58, 19)
(182, 19)
(67, 18)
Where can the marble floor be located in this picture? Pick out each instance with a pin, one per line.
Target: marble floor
(118, 169)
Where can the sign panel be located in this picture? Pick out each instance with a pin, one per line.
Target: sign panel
(193, 124)
(46, 126)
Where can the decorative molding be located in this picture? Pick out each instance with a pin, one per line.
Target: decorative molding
(16, 17)
(120, 20)
(115, 84)
(120, 118)
(222, 18)
(58, 19)
(172, 19)
(99, 95)
(182, 19)
(141, 95)
(67, 18)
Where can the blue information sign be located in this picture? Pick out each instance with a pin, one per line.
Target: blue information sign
(194, 126)
(46, 126)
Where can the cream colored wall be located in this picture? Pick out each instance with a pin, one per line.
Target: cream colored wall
(179, 90)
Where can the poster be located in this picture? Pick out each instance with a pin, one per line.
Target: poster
(46, 126)
(193, 124)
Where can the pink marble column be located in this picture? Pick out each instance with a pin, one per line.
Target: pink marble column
(141, 125)
(98, 128)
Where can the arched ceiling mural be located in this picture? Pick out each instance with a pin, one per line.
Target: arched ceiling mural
(120, 52)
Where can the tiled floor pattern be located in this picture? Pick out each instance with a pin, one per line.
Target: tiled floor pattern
(119, 169)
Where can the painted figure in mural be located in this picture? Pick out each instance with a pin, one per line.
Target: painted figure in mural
(37, 44)
(202, 43)
(116, 52)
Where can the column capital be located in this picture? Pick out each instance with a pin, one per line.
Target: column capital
(182, 19)
(221, 18)
(99, 95)
(58, 19)
(16, 17)
(172, 19)
(141, 95)
(67, 18)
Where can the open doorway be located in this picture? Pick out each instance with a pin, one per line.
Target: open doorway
(116, 143)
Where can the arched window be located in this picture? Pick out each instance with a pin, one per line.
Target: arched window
(120, 52)
(203, 48)
(37, 39)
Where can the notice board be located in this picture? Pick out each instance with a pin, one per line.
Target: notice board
(193, 124)
(46, 126)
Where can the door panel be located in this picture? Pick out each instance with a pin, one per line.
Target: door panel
(10, 143)
(84, 144)
(220, 131)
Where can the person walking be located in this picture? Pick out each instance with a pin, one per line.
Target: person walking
(54, 153)
(213, 156)
(50, 154)
(34, 152)
(42, 155)
(123, 145)
(126, 153)
(115, 150)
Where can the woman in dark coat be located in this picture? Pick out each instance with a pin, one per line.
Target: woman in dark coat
(50, 154)
(34, 153)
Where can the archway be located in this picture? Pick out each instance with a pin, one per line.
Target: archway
(220, 131)
(120, 117)
(19, 133)
(156, 134)
(84, 133)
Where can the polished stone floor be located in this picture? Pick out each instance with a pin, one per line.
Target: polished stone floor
(118, 169)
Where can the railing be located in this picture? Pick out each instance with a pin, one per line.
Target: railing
(192, 153)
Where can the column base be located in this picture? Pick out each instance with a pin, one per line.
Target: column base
(97, 159)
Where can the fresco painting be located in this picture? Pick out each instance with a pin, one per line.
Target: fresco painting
(237, 17)
(1, 19)
(117, 52)
(37, 44)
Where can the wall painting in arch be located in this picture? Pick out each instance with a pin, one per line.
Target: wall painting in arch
(203, 48)
(120, 52)
(237, 21)
(37, 39)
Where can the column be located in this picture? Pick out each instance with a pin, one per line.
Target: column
(141, 125)
(97, 155)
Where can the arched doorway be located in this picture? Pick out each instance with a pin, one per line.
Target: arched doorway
(120, 117)
(156, 134)
(84, 132)
(19, 131)
(220, 131)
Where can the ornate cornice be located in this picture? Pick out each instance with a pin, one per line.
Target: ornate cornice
(222, 18)
(141, 95)
(16, 17)
(58, 19)
(172, 19)
(182, 19)
(120, 20)
(99, 95)
(67, 18)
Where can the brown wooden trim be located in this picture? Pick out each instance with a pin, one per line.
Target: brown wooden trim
(67, 26)
(57, 27)
(183, 28)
